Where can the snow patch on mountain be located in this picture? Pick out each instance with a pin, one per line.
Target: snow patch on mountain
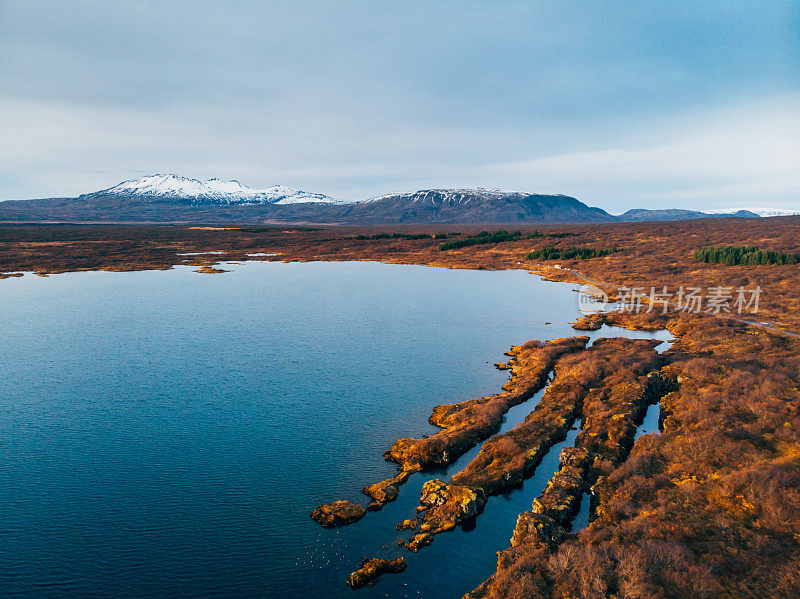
(212, 191)
(449, 196)
(760, 211)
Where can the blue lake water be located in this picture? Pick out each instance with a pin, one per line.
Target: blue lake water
(166, 434)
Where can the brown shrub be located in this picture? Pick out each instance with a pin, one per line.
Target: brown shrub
(664, 569)
(531, 344)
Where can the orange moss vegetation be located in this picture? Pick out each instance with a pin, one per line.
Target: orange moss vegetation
(467, 423)
(709, 508)
(372, 568)
(609, 367)
(649, 253)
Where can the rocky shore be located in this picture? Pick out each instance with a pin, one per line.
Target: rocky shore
(611, 414)
(372, 568)
(656, 506)
(506, 460)
(707, 508)
(666, 510)
(338, 513)
(468, 423)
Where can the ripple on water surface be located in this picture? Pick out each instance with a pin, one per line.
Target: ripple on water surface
(166, 433)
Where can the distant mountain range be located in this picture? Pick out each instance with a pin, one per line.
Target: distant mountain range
(765, 211)
(214, 192)
(641, 214)
(172, 198)
(476, 206)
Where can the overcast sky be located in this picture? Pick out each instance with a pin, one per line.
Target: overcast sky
(621, 104)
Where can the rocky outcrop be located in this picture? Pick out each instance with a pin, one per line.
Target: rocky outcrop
(611, 412)
(338, 513)
(468, 423)
(419, 540)
(385, 491)
(448, 506)
(613, 370)
(590, 322)
(407, 525)
(372, 568)
(560, 500)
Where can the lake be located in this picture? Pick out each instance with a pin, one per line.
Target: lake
(166, 433)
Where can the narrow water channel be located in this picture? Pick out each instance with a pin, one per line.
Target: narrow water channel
(166, 433)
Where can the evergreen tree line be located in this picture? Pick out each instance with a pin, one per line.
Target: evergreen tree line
(574, 253)
(405, 236)
(743, 254)
(496, 237)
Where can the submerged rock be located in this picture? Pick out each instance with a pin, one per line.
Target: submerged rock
(338, 513)
(372, 568)
(210, 270)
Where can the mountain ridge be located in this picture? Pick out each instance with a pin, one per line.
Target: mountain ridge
(172, 198)
(209, 191)
(667, 214)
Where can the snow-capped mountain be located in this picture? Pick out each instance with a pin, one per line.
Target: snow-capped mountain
(171, 198)
(449, 196)
(766, 211)
(212, 191)
(476, 206)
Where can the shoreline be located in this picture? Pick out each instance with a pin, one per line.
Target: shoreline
(444, 506)
(649, 254)
(726, 461)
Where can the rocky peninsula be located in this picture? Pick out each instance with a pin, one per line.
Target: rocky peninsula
(706, 508)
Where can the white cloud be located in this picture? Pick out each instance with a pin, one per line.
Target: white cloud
(552, 97)
(745, 153)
